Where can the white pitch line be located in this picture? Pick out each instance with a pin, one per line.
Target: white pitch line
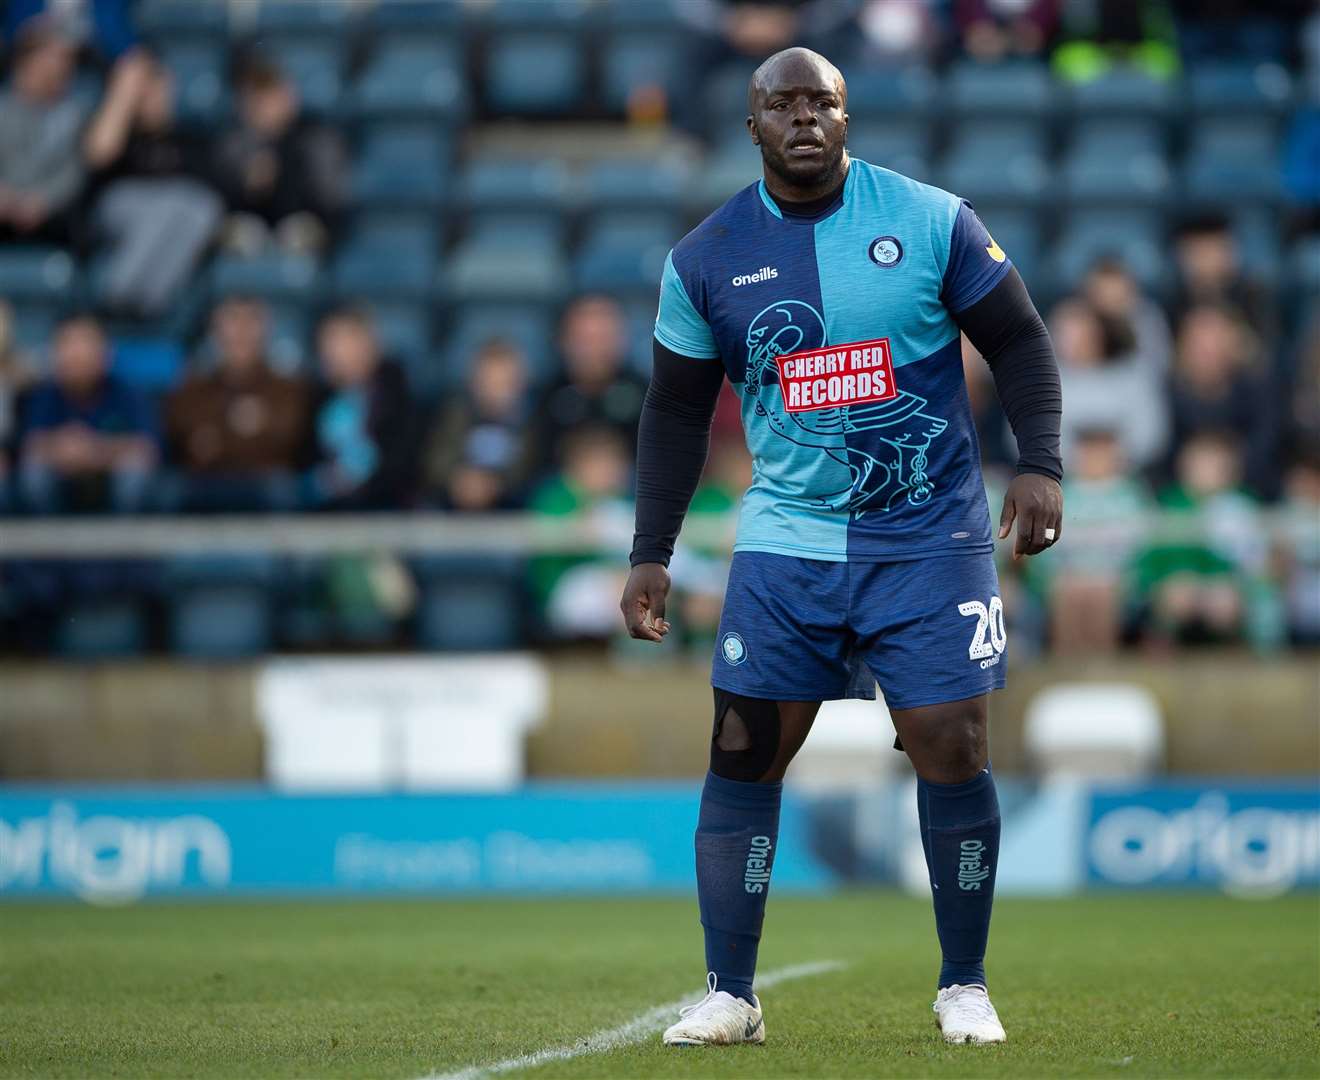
(634, 1031)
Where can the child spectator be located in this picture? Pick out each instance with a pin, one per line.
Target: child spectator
(149, 205)
(1111, 392)
(1197, 580)
(1209, 271)
(41, 169)
(87, 439)
(1215, 389)
(363, 421)
(480, 454)
(282, 174)
(238, 431)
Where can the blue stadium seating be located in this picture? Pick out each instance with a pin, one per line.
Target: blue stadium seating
(619, 255)
(506, 264)
(534, 73)
(409, 78)
(315, 67)
(537, 14)
(171, 20)
(997, 162)
(385, 264)
(282, 22)
(1133, 236)
(200, 79)
(415, 17)
(402, 164)
(1220, 87)
(470, 605)
(220, 622)
(514, 184)
(635, 182)
(901, 145)
(269, 275)
(883, 93)
(36, 273)
(101, 629)
(1233, 161)
(1005, 90)
(1125, 91)
(638, 60)
(290, 330)
(515, 228)
(1116, 162)
(529, 325)
(1018, 232)
(404, 331)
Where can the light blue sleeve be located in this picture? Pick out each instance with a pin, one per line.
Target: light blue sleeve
(678, 326)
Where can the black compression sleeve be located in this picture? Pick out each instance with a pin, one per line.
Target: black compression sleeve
(1006, 330)
(673, 437)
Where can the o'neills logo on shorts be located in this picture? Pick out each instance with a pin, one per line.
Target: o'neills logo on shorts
(837, 375)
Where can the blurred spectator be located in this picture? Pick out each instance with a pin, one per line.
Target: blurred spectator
(1209, 271)
(1300, 553)
(1106, 33)
(580, 593)
(1111, 392)
(238, 432)
(1197, 582)
(899, 31)
(480, 454)
(102, 25)
(992, 30)
(15, 375)
(1134, 326)
(155, 213)
(1215, 389)
(1304, 407)
(41, 170)
(363, 421)
(595, 386)
(87, 438)
(282, 174)
(1084, 577)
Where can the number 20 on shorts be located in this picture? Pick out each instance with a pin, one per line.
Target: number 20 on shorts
(988, 619)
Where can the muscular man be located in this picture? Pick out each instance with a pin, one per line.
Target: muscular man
(832, 293)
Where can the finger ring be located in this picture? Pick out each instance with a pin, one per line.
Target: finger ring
(1049, 534)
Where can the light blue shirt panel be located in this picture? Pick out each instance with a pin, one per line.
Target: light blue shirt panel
(678, 325)
(865, 300)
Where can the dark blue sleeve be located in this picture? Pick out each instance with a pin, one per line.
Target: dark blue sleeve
(976, 263)
(41, 411)
(141, 413)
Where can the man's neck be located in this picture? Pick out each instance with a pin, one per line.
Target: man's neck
(807, 201)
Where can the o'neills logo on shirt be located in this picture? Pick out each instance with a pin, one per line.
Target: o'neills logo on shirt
(837, 375)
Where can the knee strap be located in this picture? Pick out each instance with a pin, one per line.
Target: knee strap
(745, 741)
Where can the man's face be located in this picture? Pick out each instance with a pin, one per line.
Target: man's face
(798, 120)
(45, 72)
(239, 328)
(594, 339)
(80, 360)
(348, 352)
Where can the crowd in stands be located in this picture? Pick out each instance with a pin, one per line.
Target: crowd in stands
(1192, 399)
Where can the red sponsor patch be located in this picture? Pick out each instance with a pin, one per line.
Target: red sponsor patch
(837, 375)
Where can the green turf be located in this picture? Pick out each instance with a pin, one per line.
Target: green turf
(1128, 985)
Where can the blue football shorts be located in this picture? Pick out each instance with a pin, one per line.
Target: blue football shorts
(927, 630)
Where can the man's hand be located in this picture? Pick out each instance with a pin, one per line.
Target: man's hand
(643, 603)
(1036, 502)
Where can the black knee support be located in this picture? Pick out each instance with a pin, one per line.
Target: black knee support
(745, 741)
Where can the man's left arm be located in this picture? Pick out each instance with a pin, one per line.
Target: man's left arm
(984, 294)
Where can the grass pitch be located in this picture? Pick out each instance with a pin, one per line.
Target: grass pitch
(1174, 985)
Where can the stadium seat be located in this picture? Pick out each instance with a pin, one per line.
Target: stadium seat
(622, 254)
(537, 14)
(36, 273)
(730, 169)
(639, 60)
(412, 17)
(1018, 232)
(470, 606)
(882, 94)
(252, 569)
(101, 629)
(268, 275)
(402, 164)
(997, 162)
(1216, 88)
(505, 268)
(1005, 90)
(282, 22)
(200, 78)
(1232, 161)
(532, 229)
(530, 326)
(901, 145)
(1116, 162)
(369, 266)
(34, 323)
(404, 331)
(409, 78)
(168, 20)
(290, 334)
(315, 67)
(724, 100)
(220, 622)
(1125, 91)
(634, 183)
(534, 73)
(514, 184)
(1135, 237)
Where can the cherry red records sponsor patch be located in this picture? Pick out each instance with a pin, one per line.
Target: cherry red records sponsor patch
(837, 375)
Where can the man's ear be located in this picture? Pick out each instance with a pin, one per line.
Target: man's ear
(751, 128)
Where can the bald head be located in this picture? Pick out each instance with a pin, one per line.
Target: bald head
(797, 66)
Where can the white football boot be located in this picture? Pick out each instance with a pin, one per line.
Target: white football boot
(718, 1019)
(965, 1015)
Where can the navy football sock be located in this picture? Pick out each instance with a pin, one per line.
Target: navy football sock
(960, 833)
(736, 837)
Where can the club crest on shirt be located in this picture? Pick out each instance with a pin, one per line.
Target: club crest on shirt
(885, 251)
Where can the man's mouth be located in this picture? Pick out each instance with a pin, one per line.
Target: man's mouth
(805, 148)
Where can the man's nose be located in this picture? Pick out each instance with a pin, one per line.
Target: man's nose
(803, 115)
